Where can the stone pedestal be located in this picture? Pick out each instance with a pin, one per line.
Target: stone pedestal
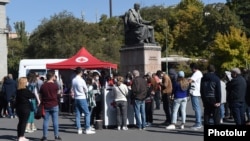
(143, 57)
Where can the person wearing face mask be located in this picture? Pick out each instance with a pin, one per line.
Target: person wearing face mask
(96, 113)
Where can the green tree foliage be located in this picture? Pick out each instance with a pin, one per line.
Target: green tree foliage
(242, 9)
(189, 31)
(16, 48)
(189, 28)
(231, 49)
(59, 37)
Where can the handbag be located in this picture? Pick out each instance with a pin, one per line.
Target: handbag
(40, 113)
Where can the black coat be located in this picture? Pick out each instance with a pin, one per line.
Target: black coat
(236, 89)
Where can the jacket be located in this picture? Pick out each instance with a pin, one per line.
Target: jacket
(167, 86)
(139, 88)
(210, 89)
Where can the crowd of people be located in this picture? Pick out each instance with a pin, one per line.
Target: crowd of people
(222, 96)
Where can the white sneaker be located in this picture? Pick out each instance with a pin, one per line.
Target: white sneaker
(79, 131)
(89, 131)
(29, 131)
(124, 128)
(149, 124)
(171, 126)
(182, 126)
(119, 128)
(91, 128)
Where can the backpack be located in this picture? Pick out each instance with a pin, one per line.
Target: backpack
(32, 87)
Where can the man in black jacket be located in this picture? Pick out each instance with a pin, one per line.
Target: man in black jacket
(211, 96)
(139, 92)
(236, 89)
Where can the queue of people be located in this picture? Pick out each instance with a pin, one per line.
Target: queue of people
(213, 91)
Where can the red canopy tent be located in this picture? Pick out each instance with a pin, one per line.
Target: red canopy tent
(82, 59)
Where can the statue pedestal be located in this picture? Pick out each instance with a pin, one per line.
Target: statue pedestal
(143, 57)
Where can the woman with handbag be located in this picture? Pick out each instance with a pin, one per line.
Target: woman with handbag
(120, 92)
(34, 102)
(23, 107)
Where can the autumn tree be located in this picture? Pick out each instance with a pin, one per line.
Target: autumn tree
(231, 50)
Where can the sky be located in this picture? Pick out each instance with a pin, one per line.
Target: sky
(32, 12)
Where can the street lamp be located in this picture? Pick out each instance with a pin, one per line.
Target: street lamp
(167, 48)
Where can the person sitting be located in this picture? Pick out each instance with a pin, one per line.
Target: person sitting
(137, 30)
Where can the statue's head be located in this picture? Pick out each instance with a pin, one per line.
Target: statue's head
(137, 6)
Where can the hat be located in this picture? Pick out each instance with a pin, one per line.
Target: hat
(236, 70)
(181, 74)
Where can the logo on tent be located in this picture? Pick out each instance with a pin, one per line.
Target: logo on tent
(81, 59)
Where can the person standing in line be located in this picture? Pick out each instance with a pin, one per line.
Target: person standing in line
(180, 90)
(139, 93)
(2, 101)
(49, 92)
(194, 92)
(39, 81)
(223, 98)
(23, 107)
(211, 96)
(157, 82)
(32, 86)
(90, 98)
(236, 89)
(80, 90)
(166, 88)
(120, 92)
(149, 101)
(97, 110)
(9, 89)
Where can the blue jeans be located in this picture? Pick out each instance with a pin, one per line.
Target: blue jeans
(53, 112)
(179, 103)
(195, 100)
(9, 109)
(222, 110)
(81, 106)
(140, 116)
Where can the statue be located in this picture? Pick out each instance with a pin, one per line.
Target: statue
(137, 30)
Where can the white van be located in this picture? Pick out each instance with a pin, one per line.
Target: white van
(35, 65)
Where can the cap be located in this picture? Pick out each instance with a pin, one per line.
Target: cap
(181, 74)
(236, 70)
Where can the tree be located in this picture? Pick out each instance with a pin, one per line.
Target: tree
(231, 50)
(188, 32)
(242, 9)
(16, 48)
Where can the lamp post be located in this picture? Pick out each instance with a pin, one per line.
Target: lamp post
(166, 46)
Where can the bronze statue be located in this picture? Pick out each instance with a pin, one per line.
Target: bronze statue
(137, 30)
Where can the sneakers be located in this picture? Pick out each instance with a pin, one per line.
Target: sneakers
(33, 127)
(57, 138)
(29, 131)
(196, 127)
(171, 126)
(79, 131)
(124, 128)
(88, 131)
(119, 128)
(149, 124)
(142, 128)
(182, 126)
(22, 139)
(91, 128)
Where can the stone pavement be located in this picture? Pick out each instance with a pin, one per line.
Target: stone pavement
(68, 131)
